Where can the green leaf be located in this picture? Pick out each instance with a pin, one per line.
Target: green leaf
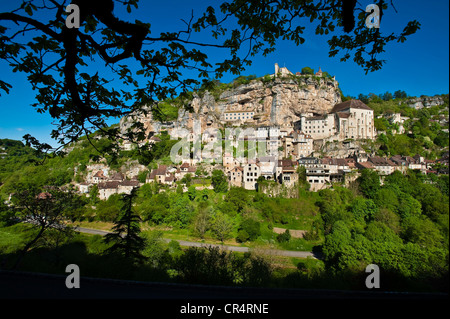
(29, 10)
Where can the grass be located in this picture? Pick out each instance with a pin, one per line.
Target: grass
(268, 238)
(11, 238)
(106, 226)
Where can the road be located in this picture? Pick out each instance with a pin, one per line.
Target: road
(286, 253)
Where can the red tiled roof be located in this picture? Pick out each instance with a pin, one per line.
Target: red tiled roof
(108, 185)
(364, 165)
(129, 183)
(44, 195)
(99, 174)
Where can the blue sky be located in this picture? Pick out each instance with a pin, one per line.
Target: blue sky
(420, 66)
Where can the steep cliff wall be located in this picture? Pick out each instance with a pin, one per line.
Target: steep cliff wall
(273, 101)
(278, 101)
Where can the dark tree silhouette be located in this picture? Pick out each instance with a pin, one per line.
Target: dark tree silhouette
(43, 209)
(126, 237)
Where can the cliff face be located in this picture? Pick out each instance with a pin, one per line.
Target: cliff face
(425, 101)
(277, 101)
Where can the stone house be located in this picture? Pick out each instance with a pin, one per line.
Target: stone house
(297, 144)
(347, 120)
(289, 176)
(99, 177)
(184, 169)
(126, 186)
(158, 175)
(251, 174)
(83, 188)
(106, 189)
(354, 120)
(268, 167)
(235, 176)
(382, 165)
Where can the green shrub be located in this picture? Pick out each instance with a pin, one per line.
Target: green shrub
(284, 237)
(242, 236)
(251, 227)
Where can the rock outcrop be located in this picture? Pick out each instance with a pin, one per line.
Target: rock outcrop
(272, 101)
(276, 102)
(425, 101)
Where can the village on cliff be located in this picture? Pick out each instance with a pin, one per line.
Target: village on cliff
(303, 129)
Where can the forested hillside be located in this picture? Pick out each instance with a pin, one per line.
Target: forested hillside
(401, 225)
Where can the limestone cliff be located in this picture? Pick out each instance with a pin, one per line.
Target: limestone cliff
(424, 101)
(270, 101)
(278, 101)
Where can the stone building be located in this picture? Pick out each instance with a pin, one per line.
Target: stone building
(235, 176)
(347, 120)
(238, 115)
(297, 144)
(354, 119)
(251, 174)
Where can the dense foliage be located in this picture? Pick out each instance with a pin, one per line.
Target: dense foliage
(400, 223)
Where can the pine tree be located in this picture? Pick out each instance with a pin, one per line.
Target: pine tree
(126, 231)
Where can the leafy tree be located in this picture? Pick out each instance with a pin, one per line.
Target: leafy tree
(192, 192)
(238, 198)
(433, 202)
(380, 232)
(7, 215)
(408, 206)
(242, 236)
(154, 250)
(43, 209)
(363, 209)
(187, 179)
(126, 239)
(249, 228)
(387, 198)
(333, 208)
(207, 266)
(363, 98)
(399, 94)
(388, 218)
(82, 101)
(202, 221)
(219, 181)
(307, 70)
(181, 211)
(422, 231)
(369, 183)
(386, 96)
(221, 226)
(339, 237)
(109, 210)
